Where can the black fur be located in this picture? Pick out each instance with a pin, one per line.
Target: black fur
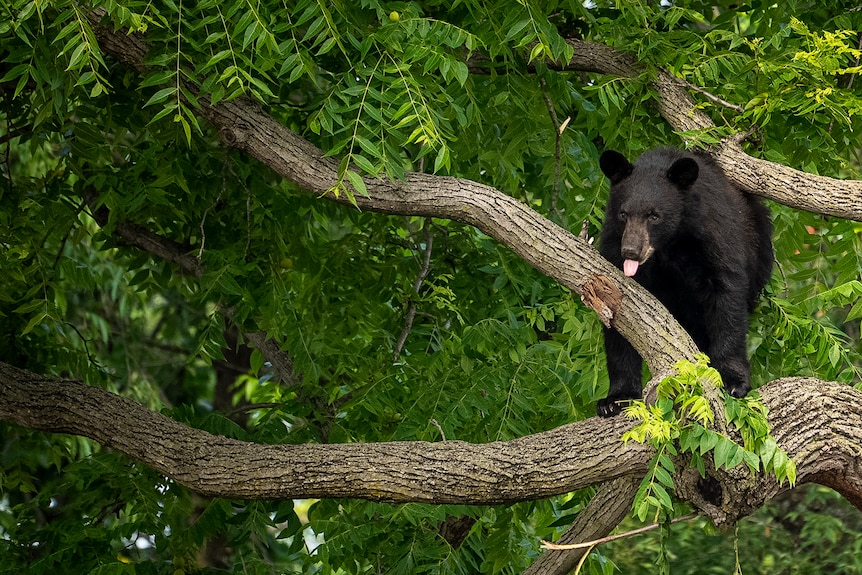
(703, 248)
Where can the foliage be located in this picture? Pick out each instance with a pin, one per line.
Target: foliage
(679, 423)
(496, 350)
(807, 530)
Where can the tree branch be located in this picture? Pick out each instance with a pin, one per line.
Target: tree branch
(825, 444)
(794, 188)
(534, 467)
(424, 269)
(546, 246)
(140, 237)
(604, 512)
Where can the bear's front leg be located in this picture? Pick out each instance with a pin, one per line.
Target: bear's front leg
(624, 371)
(727, 326)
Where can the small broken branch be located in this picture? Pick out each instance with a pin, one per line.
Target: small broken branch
(424, 269)
(609, 538)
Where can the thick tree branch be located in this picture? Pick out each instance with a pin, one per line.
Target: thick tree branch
(548, 247)
(794, 188)
(605, 511)
(825, 445)
(534, 467)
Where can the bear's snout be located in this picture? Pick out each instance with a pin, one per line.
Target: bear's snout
(635, 243)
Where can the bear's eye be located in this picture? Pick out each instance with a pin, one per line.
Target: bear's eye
(654, 217)
(623, 215)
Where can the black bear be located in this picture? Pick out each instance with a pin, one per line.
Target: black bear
(704, 248)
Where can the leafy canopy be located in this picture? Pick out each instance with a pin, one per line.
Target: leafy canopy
(494, 350)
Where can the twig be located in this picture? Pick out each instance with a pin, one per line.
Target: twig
(250, 407)
(142, 238)
(558, 135)
(86, 346)
(417, 285)
(206, 213)
(281, 360)
(13, 133)
(436, 424)
(711, 97)
(555, 547)
(66, 236)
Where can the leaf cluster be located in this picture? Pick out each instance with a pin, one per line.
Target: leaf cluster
(681, 422)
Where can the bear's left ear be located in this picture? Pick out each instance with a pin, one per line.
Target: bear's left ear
(683, 172)
(615, 166)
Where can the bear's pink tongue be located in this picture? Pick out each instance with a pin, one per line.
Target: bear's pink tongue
(630, 267)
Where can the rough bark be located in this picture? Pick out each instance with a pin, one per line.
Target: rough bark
(605, 511)
(533, 467)
(825, 444)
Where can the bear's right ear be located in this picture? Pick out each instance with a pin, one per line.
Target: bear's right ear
(615, 166)
(683, 172)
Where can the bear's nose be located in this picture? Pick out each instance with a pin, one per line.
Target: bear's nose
(630, 253)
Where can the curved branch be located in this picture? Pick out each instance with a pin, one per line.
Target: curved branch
(794, 188)
(546, 246)
(825, 445)
(533, 467)
(605, 511)
(140, 237)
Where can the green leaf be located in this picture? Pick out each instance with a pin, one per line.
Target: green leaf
(357, 182)
(156, 78)
(516, 29)
(78, 56)
(461, 72)
(537, 52)
(161, 95)
(708, 441)
(364, 164)
(442, 160)
(663, 477)
(722, 453)
(31, 306)
(663, 497)
(35, 321)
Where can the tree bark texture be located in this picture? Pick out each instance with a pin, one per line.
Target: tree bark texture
(606, 510)
(825, 444)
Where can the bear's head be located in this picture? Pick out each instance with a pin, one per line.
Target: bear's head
(646, 203)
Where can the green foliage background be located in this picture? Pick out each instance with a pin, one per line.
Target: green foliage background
(496, 351)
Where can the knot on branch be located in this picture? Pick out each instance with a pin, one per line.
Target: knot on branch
(724, 495)
(231, 137)
(602, 295)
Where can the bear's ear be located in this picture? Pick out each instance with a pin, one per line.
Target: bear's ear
(683, 172)
(615, 166)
